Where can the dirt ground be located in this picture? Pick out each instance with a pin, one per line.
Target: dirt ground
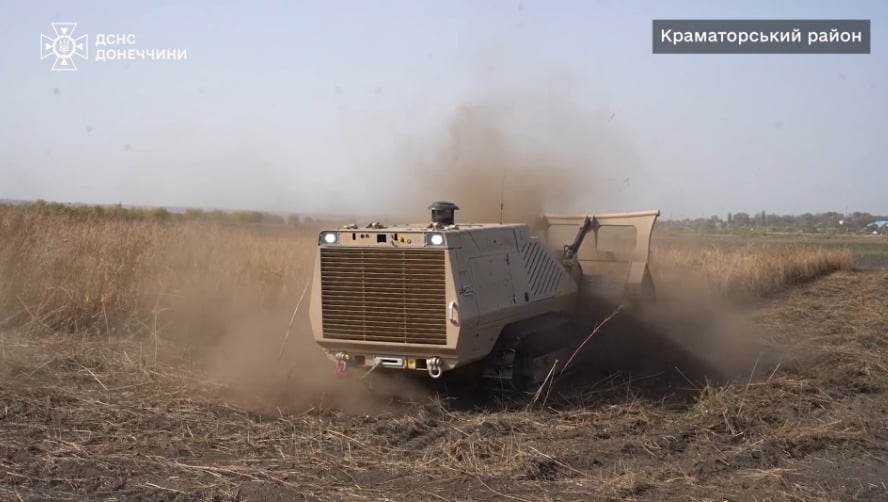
(801, 415)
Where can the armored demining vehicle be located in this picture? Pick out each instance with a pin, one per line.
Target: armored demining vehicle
(441, 296)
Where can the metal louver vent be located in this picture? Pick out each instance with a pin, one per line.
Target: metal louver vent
(383, 295)
(542, 271)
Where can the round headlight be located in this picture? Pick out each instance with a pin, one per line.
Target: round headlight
(436, 239)
(330, 238)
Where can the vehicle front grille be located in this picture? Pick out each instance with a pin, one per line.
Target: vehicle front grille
(383, 295)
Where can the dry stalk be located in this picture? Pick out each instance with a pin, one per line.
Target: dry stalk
(9, 319)
(688, 380)
(92, 374)
(546, 380)
(748, 383)
(589, 337)
(499, 493)
(292, 318)
(560, 463)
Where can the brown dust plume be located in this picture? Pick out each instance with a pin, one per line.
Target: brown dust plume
(533, 154)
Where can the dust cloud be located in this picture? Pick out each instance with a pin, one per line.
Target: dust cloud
(720, 332)
(544, 153)
(533, 153)
(244, 341)
(679, 345)
(539, 153)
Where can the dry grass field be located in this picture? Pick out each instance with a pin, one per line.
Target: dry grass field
(148, 360)
(748, 271)
(95, 273)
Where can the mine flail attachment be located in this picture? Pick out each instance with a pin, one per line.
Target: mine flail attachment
(611, 250)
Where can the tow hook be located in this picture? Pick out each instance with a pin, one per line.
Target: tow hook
(341, 364)
(435, 369)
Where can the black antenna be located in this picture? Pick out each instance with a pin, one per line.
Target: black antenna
(502, 195)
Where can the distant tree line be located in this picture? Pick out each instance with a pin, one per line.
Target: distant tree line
(826, 223)
(163, 214)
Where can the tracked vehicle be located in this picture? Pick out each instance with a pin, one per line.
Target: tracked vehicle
(485, 298)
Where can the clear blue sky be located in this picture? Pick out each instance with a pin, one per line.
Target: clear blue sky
(279, 103)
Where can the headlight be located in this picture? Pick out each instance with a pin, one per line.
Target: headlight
(435, 239)
(329, 238)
